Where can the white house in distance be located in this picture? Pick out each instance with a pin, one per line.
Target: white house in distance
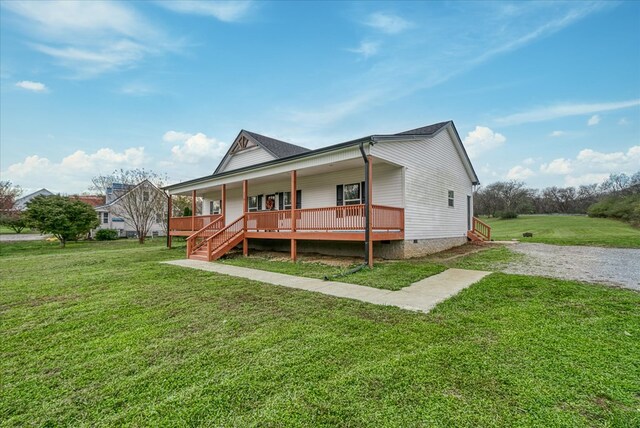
(419, 197)
(21, 203)
(110, 215)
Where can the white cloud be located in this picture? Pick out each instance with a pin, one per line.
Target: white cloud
(32, 86)
(137, 89)
(572, 181)
(557, 134)
(90, 37)
(175, 136)
(366, 49)
(529, 161)
(628, 161)
(195, 148)
(72, 173)
(564, 110)
(591, 166)
(593, 120)
(519, 172)
(558, 166)
(227, 11)
(482, 139)
(388, 23)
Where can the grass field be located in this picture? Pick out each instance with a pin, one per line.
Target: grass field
(7, 230)
(566, 230)
(389, 275)
(101, 334)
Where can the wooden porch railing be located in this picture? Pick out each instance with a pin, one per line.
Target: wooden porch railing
(481, 229)
(185, 224)
(387, 218)
(199, 238)
(224, 236)
(347, 217)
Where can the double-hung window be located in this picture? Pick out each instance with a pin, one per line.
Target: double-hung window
(255, 203)
(105, 218)
(350, 194)
(285, 201)
(450, 198)
(214, 207)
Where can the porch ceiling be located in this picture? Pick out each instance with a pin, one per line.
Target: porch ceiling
(304, 172)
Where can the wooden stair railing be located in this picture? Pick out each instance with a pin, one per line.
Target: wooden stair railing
(218, 244)
(199, 238)
(480, 231)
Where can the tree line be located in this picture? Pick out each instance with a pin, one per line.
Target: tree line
(617, 197)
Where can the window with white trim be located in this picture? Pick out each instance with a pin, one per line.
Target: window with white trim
(286, 201)
(145, 196)
(214, 207)
(351, 194)
(105, 218)
(450, 198)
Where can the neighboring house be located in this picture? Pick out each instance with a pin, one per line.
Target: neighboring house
(93, 200)
(421, 184)
(21, 203)
(110, 213)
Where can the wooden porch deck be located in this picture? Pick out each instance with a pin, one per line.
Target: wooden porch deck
(340, 223)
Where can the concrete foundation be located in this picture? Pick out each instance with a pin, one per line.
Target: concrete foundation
(381, 249)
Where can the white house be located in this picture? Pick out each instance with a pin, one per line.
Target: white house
(113, 213)
(21, 203)
(419, 197)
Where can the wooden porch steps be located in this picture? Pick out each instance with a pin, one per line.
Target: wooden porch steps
(224, 249)
(480, 232)
(216, 243)
(216, 253)
(475, 239)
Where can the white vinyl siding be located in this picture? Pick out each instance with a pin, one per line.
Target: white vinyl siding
(433, 168)
(248, 157)
(320, 190)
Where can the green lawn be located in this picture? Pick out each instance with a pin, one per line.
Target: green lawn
(101, 334)
(7, 231)
(390, 275)
(491, 259)
(566, 230)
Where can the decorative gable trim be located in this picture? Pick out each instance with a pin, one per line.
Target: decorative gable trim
(242, 142)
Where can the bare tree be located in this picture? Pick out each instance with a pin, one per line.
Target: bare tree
(136, 197)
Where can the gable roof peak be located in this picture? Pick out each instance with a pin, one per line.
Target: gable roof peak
(278, 148)
(426, 130)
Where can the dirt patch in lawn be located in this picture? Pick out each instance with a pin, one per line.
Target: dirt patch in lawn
(282, 256)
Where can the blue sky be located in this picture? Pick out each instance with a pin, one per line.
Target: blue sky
(544, 92)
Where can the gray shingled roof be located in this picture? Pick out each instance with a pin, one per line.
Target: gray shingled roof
(280, 149)
(425, 130)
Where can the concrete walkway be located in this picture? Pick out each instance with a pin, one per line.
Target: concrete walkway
(421, 296)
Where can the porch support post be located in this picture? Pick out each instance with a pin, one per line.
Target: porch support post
(169, 212)
(245, 207)
(370, 209)
(294, 203)
(223, 203)
(193, 210)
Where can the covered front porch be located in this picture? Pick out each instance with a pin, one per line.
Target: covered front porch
(263, 207)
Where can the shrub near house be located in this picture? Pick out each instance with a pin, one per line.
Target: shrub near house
(60, 216)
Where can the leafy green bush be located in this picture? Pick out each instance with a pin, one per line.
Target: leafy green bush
(506, 215)
(64, 218)
(13, 220)
(106, 235)
(621, 207)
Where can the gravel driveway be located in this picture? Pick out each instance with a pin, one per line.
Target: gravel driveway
(613, 266)
(16, 237)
